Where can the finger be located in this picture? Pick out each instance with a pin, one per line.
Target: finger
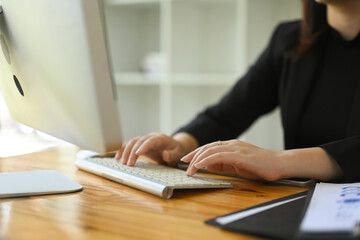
(120, 151)
(188, 157)
(210, 150)
(203, 153)
(194, 160)
(126, 153)
(223, 158)
(150, 143)
(118, 155)
(133, 155)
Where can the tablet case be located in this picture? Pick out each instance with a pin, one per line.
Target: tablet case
(281, 222)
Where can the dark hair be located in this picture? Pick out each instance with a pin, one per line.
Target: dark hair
(312, 26)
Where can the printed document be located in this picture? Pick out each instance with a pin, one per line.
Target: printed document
(333, 208)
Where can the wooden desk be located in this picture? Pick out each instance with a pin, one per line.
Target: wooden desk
(108, 210)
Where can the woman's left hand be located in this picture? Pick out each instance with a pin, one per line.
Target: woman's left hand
(239, 157)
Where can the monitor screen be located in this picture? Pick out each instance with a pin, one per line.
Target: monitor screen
(55, 72)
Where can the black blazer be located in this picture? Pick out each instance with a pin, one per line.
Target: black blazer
(277, 79)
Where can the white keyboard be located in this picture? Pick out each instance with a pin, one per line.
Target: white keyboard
(157, 179)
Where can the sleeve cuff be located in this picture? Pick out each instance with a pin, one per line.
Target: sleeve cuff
(346, 153)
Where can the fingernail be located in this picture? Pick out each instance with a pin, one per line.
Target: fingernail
(138, 151)
(183, 158)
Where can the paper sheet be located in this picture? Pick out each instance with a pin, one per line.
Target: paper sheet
(333, 208)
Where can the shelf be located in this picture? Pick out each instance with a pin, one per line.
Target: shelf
(191, 79)
(134, 33)
(202, 79)
(128, 2)
(136, 79)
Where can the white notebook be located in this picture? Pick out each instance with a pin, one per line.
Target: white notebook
(333, 208)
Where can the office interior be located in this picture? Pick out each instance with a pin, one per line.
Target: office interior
(172, 58)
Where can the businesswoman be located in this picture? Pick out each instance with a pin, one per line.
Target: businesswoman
(311, 70)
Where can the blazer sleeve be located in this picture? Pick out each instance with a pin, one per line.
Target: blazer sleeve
(253, 95)
(346, 153)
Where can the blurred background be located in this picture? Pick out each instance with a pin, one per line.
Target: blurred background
(171, 58)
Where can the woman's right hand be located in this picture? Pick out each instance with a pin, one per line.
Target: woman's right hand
(157, 146)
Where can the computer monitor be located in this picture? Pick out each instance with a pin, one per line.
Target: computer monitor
(55, 74)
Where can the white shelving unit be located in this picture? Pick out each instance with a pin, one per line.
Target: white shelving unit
(171, 58)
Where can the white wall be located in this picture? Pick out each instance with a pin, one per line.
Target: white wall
(208, 44)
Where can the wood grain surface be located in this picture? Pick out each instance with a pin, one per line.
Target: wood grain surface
(108, 210)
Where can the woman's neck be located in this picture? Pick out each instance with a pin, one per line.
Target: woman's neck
(344, 16)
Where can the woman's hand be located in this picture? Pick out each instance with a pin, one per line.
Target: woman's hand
(236, 157)
(254, 162)
(157, 146)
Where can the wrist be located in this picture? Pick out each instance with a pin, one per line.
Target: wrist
(313, 163)
(287, 161)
